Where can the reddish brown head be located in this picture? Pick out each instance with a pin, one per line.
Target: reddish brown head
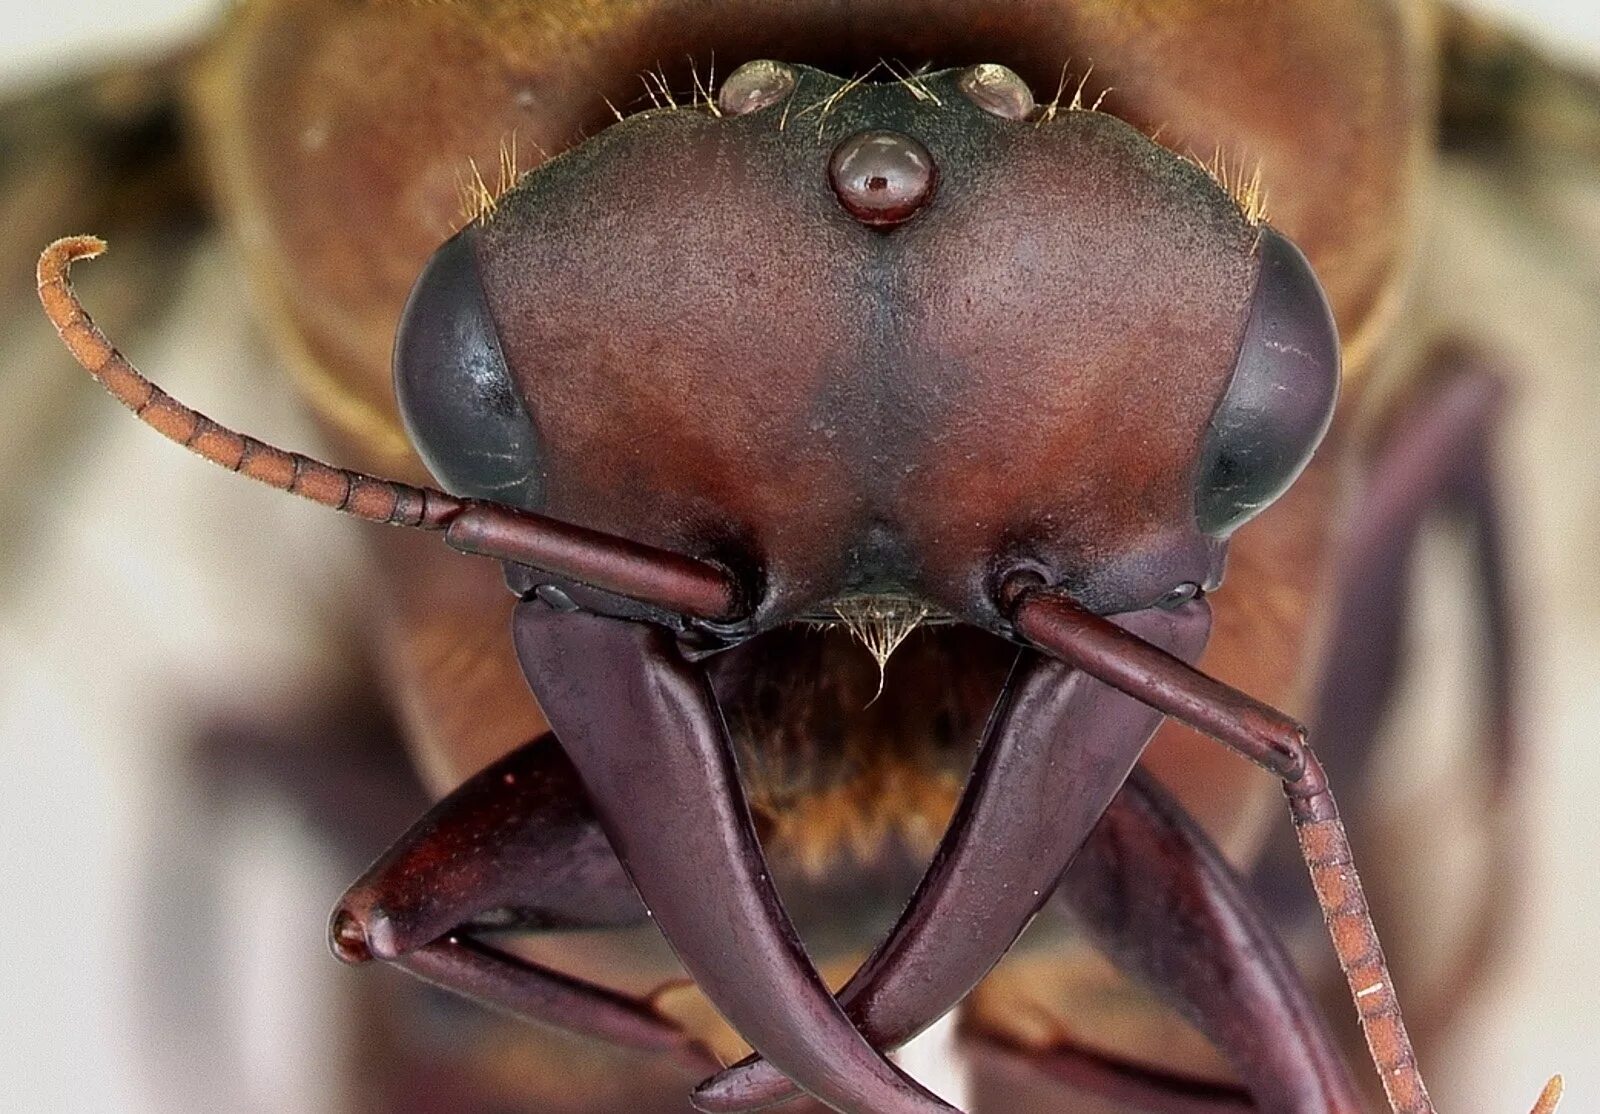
(856, 339)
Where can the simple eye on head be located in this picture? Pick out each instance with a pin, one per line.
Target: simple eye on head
(460, 407)
(1280, 400)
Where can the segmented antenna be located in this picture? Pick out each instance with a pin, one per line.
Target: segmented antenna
(672, 581)
(1326, 850)
(1056, 624)
(355, 493)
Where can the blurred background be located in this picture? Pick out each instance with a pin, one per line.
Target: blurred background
(163, 931)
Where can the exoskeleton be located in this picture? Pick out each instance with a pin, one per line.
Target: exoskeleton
(871, 432)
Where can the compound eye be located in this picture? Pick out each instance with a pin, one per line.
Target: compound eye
(1281, 397)
(456, 396)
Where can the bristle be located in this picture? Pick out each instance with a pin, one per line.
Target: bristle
(1077, 94)
(704, 95)
(1254, 197)
(508, 164)
(794, 95)
(656, 87)
(649, 89)
(1050, 108)
(477, 199)
(701, 94)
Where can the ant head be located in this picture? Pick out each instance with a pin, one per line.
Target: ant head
(900, 338)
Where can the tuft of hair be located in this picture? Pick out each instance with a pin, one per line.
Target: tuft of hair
(1240, 182)
(881, 624)
(479, 199)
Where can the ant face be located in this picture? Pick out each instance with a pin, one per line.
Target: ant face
(899, 338)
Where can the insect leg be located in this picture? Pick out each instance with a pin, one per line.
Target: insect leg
(1159, 900)
(1436, 460)
(647, 737)
(1055, 752)
(517, 841)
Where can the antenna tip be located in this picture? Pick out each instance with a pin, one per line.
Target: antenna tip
(77, 247)
(55, 260)
(1550, 1097)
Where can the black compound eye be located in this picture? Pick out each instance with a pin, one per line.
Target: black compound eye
(1281, 397)
(456, 395)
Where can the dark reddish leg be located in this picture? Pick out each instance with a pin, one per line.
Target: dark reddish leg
(1436, 461)
(515, 845)
(1163, 905)
(1160, 901)
(1055, 752)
